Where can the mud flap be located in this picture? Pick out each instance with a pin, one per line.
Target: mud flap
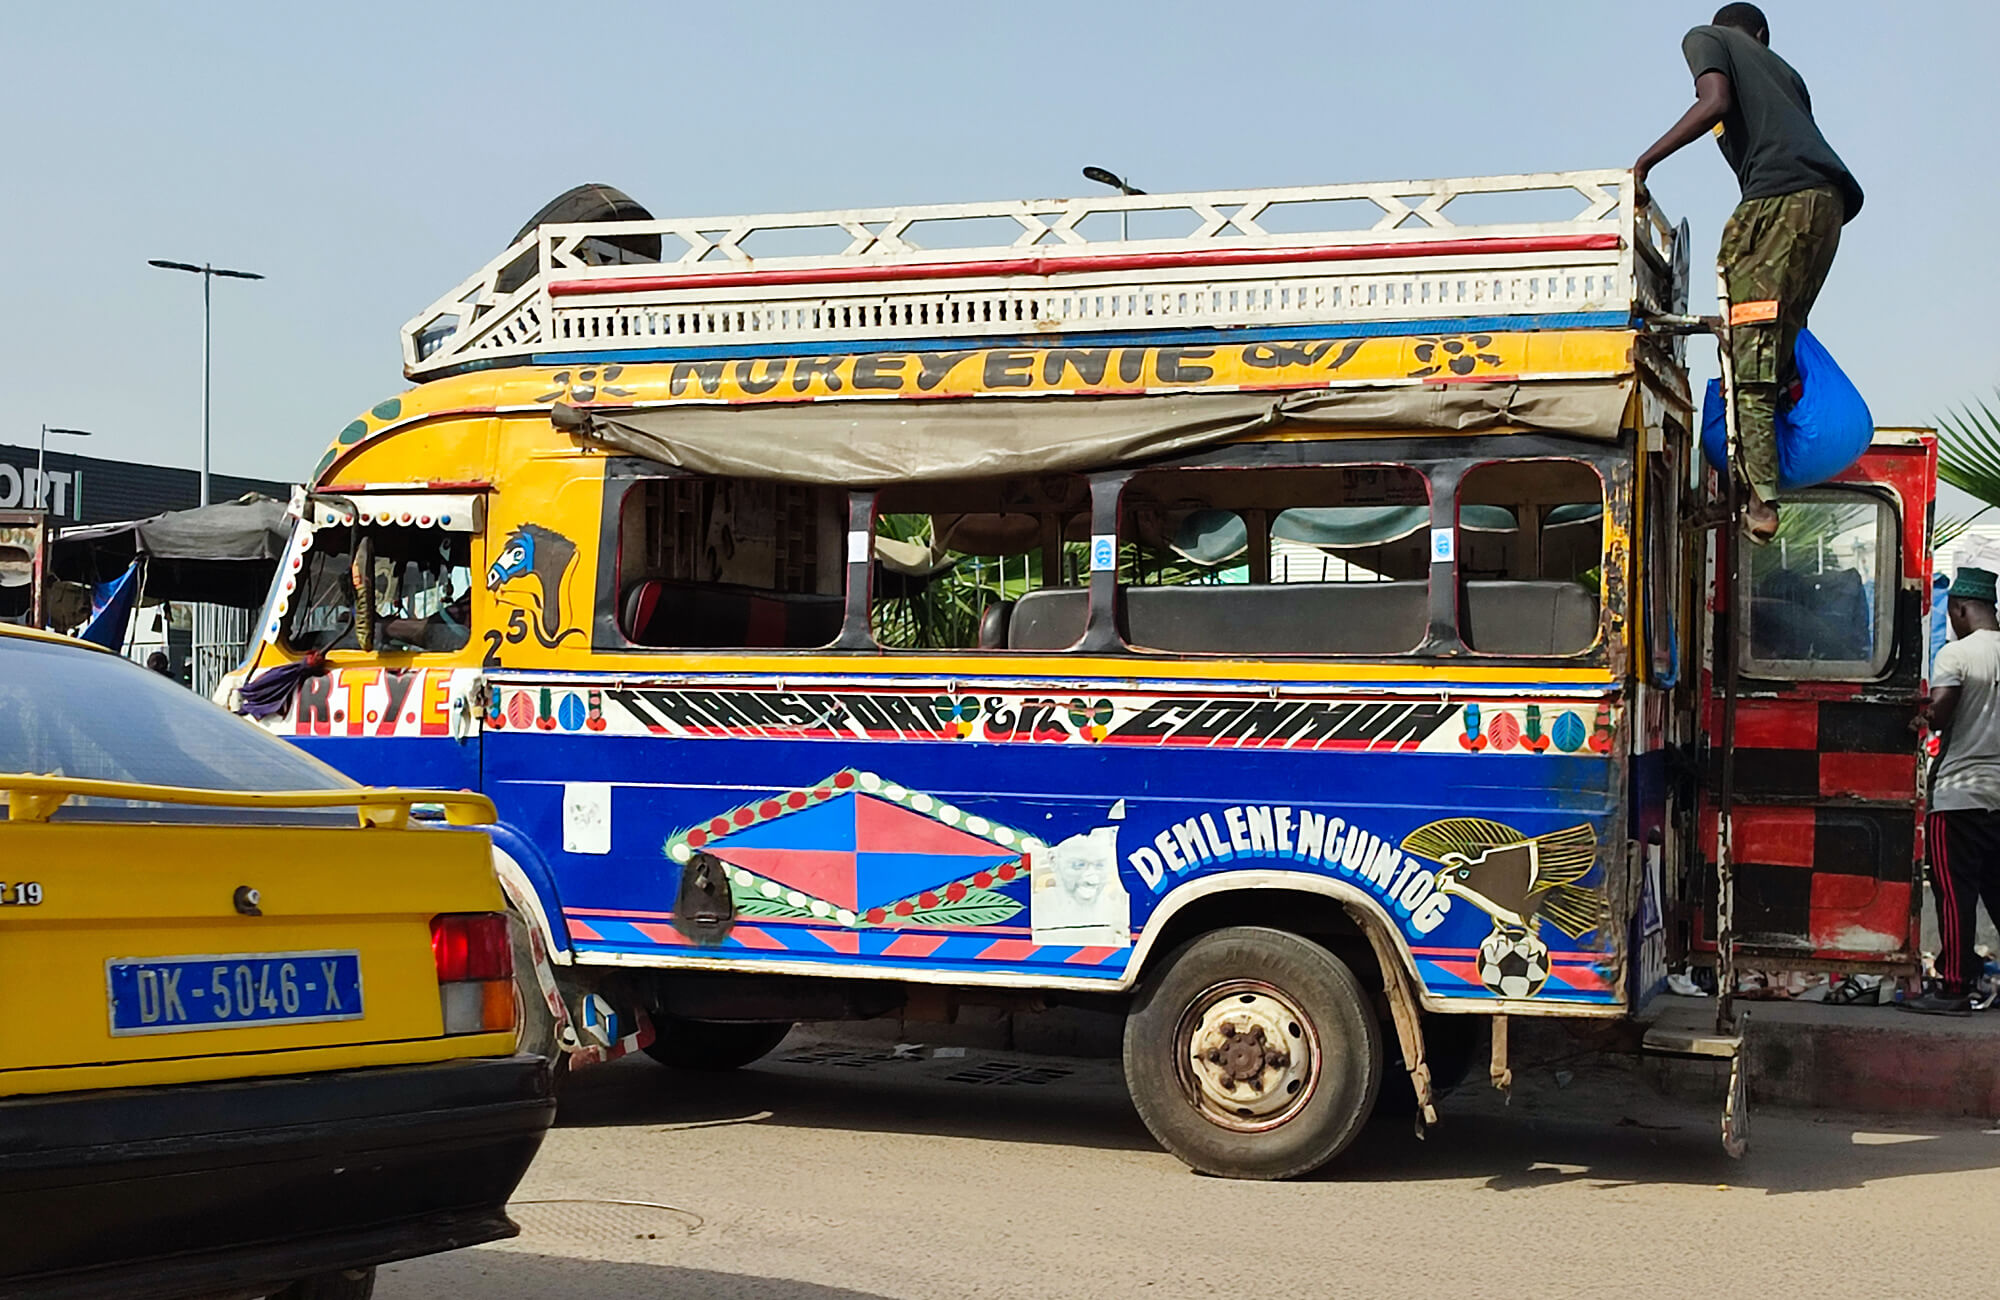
(1736, 1105)
(704, 907)
(600, 1038)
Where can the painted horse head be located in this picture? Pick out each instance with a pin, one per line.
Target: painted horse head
(543, 555)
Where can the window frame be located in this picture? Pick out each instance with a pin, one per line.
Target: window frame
(1601, 639)
(626, 478)
(352, 529)
(1259, 533)
(1442, 460)
(1887, 583)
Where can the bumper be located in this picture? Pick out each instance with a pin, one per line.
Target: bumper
(229, 1187)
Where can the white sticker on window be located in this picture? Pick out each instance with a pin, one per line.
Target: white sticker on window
(1103, 552)
(1444, 542)
(587, 817)
(858, 545)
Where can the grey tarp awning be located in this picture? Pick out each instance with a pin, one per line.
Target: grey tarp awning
(862, 444)
(224, 553)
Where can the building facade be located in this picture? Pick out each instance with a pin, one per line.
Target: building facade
(92, 490)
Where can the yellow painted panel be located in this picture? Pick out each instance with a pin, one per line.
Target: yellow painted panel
(998, 372)
(208, 1069)
(122, 890)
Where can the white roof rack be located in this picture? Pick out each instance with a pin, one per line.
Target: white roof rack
(1552, 249)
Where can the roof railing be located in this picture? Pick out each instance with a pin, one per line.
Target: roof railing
(1553, 244)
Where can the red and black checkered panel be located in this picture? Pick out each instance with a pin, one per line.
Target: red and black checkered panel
(1829, 749)
(1816, 878)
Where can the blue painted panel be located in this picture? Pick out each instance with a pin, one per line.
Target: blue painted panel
(426, 763)
(1386, 823)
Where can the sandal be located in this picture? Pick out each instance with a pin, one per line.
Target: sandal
(1757, 536)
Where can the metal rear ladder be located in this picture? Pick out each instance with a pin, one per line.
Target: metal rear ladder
(1726, 1041)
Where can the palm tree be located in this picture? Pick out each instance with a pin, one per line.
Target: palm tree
(1969, 460)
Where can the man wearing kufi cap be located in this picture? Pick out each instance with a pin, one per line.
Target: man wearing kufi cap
(1963, 833)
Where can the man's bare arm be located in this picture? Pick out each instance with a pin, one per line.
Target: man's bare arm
(1712, 97)
(1942, 707)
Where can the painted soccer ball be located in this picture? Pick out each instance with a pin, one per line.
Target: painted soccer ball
(1513, 963)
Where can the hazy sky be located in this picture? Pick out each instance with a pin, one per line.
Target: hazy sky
(366, 157)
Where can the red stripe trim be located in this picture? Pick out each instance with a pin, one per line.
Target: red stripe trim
(1091, 956)
(1044, 265)
(914, 945)
(842, 941)
(578, 930)
(751, 937)
(1006, 950)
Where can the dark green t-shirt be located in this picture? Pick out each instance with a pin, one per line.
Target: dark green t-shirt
(1768, 135)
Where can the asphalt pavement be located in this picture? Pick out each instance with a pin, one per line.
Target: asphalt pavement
(846, 1169)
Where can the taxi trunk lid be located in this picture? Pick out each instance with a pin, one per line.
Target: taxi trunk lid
(163, 952)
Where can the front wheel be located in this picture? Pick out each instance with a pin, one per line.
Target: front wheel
(712, 1044)
(1253, 1053)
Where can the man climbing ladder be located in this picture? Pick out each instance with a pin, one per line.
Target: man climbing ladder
(1780, 242)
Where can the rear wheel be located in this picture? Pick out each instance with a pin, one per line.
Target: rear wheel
(346, 1284)
(712, 1044)
(1253, 1053)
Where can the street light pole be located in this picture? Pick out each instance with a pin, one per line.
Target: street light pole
(41, 463)
(1106, 177)
(207, 273)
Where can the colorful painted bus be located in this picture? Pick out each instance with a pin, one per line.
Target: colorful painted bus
(1271, 614)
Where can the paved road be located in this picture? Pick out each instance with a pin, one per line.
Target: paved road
(993, 1175)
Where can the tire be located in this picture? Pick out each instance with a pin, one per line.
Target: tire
(346, 1284)
(712, 1045)
(579, 205)
(1315, 1079)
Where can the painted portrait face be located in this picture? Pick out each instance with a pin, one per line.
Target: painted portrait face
(1081, 873)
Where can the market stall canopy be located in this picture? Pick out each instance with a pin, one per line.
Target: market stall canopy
(869, 443)
(223, 553)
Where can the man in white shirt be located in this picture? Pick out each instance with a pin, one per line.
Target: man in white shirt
(1963, 833)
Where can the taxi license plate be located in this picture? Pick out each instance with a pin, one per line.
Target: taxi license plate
(169, 995)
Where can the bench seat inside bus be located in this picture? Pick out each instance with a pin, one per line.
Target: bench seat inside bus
(719, 615)
(1312, 618)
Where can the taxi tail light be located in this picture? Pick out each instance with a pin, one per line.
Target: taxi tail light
(475, 968)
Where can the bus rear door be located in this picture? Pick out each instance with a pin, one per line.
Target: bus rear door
(1832, 653)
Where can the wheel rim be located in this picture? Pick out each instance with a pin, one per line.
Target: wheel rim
(1248, 1058)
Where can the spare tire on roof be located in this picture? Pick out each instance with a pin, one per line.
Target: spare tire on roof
(575, 206)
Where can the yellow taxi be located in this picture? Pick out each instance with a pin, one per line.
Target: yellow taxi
(257, 1023)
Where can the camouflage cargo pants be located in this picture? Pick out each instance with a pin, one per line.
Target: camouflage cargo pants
(1775, 256)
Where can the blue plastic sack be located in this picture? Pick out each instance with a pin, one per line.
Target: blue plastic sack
(1826, 430)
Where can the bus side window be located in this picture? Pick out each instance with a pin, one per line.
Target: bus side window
(731, 564)
(1310, 560)
(321, 616)
(422, 578)
(1530, 557)
(1821, 597)
(418, 584)
(992, 565)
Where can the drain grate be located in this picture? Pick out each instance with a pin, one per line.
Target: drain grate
(844, 1057)
(1004, 1074)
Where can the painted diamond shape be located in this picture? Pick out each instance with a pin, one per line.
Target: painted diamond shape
(855, 841)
